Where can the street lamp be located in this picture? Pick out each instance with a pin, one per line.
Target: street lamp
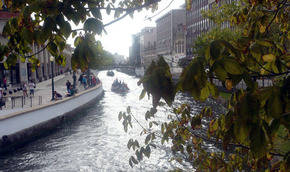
(52, 75)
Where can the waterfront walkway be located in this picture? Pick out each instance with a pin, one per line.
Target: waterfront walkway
(41, 96)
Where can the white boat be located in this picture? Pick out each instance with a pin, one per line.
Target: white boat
(22, 126)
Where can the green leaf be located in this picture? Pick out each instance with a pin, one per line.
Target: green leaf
(134, 160)
(204, 93)
(215, 49)
(264, 43)
(66, 29)
(108, 9)
(148, 137)
(258, 142)
(93, 25)
(130, 163)
(220, 72)
(274, 106)
(96, 13)
(232, 66)
(120, 116)
(128, 109)
(242, 131)
(142, 94)
(52, 48)
(147, 151)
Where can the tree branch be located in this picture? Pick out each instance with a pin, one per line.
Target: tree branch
(131, 10)
(276, 13)
(29, 56)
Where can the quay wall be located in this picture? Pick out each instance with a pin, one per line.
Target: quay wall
(21, 127)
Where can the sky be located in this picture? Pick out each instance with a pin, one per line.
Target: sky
(119, 35)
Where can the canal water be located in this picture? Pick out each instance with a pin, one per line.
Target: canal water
(95, 140)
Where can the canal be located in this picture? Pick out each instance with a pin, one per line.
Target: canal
(95, 140)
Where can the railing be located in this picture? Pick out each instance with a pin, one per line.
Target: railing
(21, 102)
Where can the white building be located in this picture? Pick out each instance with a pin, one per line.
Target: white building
(23, 71)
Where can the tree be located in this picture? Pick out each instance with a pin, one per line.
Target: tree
(48, 23)
(253, 133)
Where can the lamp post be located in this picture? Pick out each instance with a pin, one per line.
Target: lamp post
(52, 77)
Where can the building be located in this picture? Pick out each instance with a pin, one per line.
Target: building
(24, 71)
(170, 31)
(134, 51)
(196, 25)
(148, 45)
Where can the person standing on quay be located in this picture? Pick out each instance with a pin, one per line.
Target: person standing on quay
(2, 102)
(24, 90)
(5, 83)
(31, 88)
(74, 79)
(68, 84)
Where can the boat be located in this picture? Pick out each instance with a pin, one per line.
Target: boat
(119, 87)
(25, 125)
(110, 73)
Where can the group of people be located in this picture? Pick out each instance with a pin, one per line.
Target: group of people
(31, 86)
(88, 80)
(24, 88)
(71, 90)
(119, 86)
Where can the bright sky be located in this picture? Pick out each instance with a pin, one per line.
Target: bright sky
(119, 37)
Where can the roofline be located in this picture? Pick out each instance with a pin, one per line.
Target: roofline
(168, 14)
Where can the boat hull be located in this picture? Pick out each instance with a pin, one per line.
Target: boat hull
(22, 127)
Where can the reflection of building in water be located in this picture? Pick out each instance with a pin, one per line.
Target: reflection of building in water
(23, 71)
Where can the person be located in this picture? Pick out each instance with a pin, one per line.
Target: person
(5, 83)
(2, 102)
(94, 81)
(74, 79)
(68, 84)
(31, 88)
(81, 78)
(98, 80)
(57, 96)
(24, 90)
(84, 81)
(71, 91)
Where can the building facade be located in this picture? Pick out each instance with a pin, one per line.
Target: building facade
(134, 51)
(148, 45)
(196, 25)
(170, 31)
(23, 72)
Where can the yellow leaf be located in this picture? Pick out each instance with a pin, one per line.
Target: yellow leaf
(1, 5)
(269, 58)
(262, 29)
(277, 19)
(229, 84)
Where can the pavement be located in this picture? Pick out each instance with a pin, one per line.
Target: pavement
(41, 96)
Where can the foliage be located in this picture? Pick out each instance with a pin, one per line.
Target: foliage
(253, 134)
(49, 23)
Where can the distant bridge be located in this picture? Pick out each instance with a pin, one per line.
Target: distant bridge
(124, 66)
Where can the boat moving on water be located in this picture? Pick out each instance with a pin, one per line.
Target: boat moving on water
(110, 73)
(119, 87)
